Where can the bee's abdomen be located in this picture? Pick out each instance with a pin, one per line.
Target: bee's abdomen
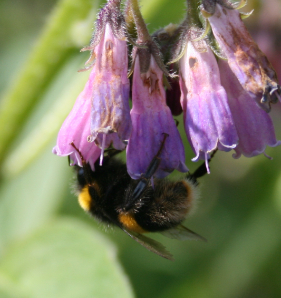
(171, 203)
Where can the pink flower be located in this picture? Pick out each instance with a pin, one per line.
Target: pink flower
(151, 118)
(101, 114)
(246, 60)
(207, 117)
(110, 112)
(254, 126)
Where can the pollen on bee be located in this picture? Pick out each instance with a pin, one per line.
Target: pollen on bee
(130, 223)
(85, 199)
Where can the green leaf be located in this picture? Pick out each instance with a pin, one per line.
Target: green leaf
(66, 259)
(32, 198)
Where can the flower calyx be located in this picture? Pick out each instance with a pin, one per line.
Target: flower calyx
(112, 15)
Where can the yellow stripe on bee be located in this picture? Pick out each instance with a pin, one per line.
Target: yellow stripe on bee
(130, 223)
(85, 199)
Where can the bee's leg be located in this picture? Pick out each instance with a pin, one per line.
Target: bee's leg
(145, 178)
(86, 167)
(200, 171)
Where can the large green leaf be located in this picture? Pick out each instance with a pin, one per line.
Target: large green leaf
(64, 259)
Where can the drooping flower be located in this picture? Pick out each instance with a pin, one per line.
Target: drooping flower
(106, 94)
(110, 98)
(246, 60)
(207, 117)
(151, 118)
(254, 126)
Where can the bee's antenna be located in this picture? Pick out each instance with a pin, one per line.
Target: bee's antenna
(80, 154)
(200, 171)
(86, 167)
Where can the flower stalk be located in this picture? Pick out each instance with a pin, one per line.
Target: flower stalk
(143, 34)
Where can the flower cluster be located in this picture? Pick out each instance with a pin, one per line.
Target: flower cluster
(225, 102)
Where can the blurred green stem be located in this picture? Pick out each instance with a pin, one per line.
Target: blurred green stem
(52, 48)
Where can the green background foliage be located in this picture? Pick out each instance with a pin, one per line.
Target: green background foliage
(49, 247)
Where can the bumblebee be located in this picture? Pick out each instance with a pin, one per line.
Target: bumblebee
(138, 206)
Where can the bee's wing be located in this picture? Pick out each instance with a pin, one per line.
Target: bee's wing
(182, 233)
(150, 244)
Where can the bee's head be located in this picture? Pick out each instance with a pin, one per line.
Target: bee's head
(80, 176)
